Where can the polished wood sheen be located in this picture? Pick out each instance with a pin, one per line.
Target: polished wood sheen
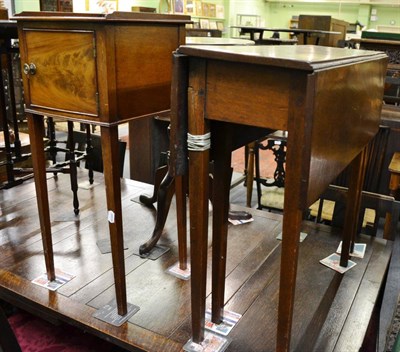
(66, 70)
(332, 312)
(98, 69)
(328, 99)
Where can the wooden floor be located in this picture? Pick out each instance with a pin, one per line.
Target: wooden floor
(332, 311)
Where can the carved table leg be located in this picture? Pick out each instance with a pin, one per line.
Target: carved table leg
(165, 193)
(110, 151)
(36, 134)
(158, 179)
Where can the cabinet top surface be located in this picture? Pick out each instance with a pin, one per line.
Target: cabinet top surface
(301, 57)
(115, 17)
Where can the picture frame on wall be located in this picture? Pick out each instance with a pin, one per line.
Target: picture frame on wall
(190, 7)
(213, 25)
(103, 6)
(198, 8)
(179, 6)
(204, 23)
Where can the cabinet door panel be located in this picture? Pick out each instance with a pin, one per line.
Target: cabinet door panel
(65, 77)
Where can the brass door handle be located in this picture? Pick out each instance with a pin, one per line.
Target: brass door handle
(30, 69)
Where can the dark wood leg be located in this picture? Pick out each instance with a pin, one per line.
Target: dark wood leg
(178, 158)
(51, 134)
(250, 174)
(4, 124)
(198, 196)
(89, 153)
(291, 227)
(294, 205)
(36, 134)
(11, 93)
(220, 200)
(356, 181)
(198, 191)
(110, 151)
(180, 195)
(165, 193)
(72, 167)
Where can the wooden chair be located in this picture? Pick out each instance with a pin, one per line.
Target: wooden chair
(394, 169)
(94, 159)
(80, 146)
(272, 197)
(375, 160)
(330, 207)
(392, 86)
(381, 204)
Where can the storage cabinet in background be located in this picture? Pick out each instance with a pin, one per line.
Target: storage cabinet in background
(324, 23)
(56, 5)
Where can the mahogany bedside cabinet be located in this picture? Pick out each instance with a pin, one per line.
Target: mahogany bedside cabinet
(102, 70)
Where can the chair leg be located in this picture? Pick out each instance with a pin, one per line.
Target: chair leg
(89, 155)
(250, 174)
(51, 135)
(258, 183)
(72, 166)
(161, 172)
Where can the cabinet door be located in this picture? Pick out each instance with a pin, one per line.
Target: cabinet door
(60, 72)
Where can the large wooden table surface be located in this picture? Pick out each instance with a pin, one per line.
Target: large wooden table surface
(328, 99)
(326, 311)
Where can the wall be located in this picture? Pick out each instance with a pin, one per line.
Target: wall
(80, 5)
(26, 5)
(272, 14)
(280, 13)
(245, 7)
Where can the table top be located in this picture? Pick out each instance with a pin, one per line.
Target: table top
(302, 57)
(217, 41)
(285, 30)
(114, 17)
(376, 41)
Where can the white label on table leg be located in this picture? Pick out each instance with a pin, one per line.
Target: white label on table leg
(111, 216)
